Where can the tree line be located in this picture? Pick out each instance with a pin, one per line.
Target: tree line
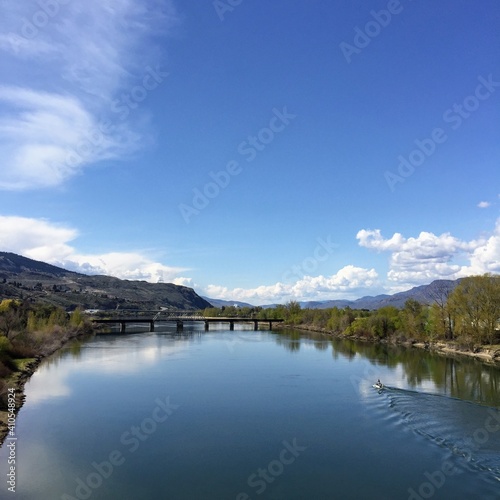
(468, 315)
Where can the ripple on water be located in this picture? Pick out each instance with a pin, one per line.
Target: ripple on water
(468, 432)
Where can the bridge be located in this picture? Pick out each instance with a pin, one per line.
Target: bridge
(178, 317)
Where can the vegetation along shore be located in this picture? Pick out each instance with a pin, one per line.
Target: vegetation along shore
(29, 333)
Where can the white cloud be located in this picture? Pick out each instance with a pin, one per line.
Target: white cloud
(484, 204)
(486, 257)
(84, 54)
(42, 240)
(348, 282)
(46, 138)
(35, 237)
(418, 260)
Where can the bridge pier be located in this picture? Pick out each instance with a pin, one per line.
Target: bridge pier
(152, 325)
(255, 325)
(180, 326)
(231, 325)
(122, 326)
(206, 325)
(270, 325)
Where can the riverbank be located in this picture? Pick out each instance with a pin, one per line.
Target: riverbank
(489, 354)
(26, 367)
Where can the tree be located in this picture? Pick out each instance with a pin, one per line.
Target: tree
(293, 312)
(441, 312)
(476, 304)
(412, 318)
(11, 318)
(76, 318)
(384, 321)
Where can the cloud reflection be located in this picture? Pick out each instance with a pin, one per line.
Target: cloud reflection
(124, 356)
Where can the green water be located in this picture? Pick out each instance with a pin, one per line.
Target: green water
(254, 415)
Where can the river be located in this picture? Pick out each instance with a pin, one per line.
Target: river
(253, 415)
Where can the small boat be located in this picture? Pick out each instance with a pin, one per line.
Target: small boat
(378, 385)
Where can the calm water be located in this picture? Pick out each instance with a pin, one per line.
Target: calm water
(255, 415)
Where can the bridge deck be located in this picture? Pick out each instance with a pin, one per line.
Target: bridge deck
(180, 319)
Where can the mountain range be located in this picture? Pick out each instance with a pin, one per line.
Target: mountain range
(425, 294)
(24, 278)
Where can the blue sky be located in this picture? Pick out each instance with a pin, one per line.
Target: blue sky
(256, 151)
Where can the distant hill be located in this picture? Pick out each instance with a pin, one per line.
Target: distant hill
(227, 303)
(25, 278)
(425, 294)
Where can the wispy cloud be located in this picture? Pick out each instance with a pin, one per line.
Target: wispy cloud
(41, 138)
(78, 56)
(484, 204)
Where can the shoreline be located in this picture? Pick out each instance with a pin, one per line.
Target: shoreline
(18, 380)
(489, 355)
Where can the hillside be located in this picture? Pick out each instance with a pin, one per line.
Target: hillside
(24, 278)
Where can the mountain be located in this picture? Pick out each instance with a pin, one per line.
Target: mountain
(227, 303)
(25, 278)
(425, 294)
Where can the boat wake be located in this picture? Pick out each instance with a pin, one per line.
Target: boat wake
(469, 432)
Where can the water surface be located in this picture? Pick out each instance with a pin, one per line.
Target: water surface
(246, 415)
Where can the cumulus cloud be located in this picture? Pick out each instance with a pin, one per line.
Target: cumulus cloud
(84, 54)
(348, 282)
(486, 257)
(484, 204)
(43, 240)
(418, 260)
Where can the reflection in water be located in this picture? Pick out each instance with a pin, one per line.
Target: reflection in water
(290, 341)
(110, 354)
(459, 377)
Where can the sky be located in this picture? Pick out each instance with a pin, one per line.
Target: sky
(255, 151)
